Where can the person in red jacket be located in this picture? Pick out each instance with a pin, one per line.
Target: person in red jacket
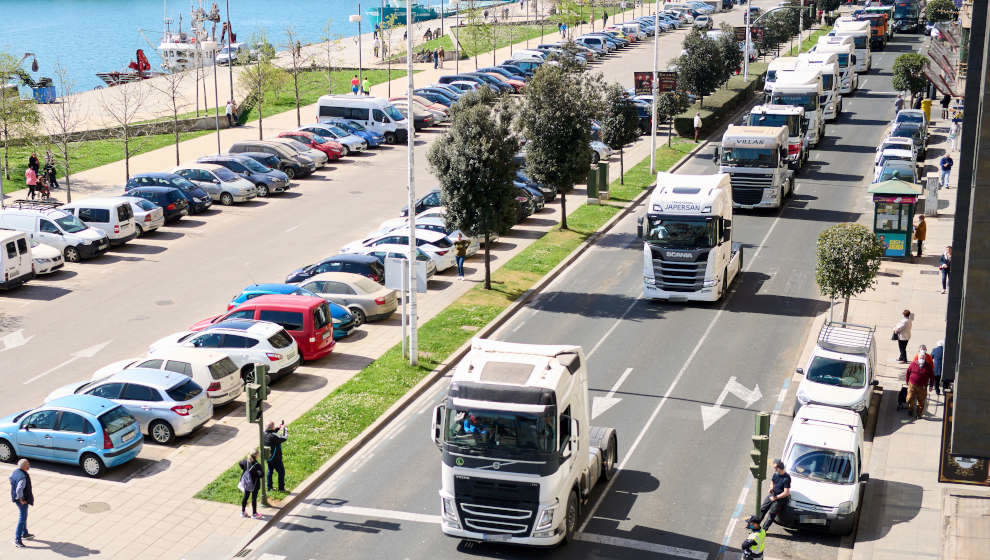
(920, 378)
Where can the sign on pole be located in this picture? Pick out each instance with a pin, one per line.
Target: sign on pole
(666, 81)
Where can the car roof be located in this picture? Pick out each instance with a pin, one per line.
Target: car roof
(344, 277)
(254, 155)
(157, 378)
(896, 152)
(283, 300)
(201, 165)
(204, 356)
(89, 404)
(156, 175)
(428, 235)
(351, 258)
(243, 325)
(94, 201)
(273, 287)
(152, 188)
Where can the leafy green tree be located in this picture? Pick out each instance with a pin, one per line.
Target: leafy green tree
(730, 54)
(848, 261)
(556, 116)
(669, 105)
(262, 77)
(940, 10)
(18, 118)
(909, 73)
(474, 162)
(477, 32)
(620, 122)
(568, 58)
(700, 68)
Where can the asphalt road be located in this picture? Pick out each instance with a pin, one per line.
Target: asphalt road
(679, 485)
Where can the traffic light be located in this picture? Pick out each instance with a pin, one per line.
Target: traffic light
(261, 378)
(761, 447)
(254, 403)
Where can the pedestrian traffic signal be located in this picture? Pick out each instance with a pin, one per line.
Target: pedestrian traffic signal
(261, 378)
(254, 403)
(761, 446)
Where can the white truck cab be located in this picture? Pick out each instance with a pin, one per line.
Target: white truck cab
(797, 129)
(828, 63)
(755, 158)
(777, 67)
(803, 88)
(860, 33)
(841, 370)
(823, 455)
(519, 454)
(845, 50)
(688, 253)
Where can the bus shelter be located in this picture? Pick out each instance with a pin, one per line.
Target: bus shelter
(893, 215)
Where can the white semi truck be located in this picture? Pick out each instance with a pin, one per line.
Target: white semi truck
(845, 49)
(688, 252)
(828, 63)
(519, 455)
(797, 129)
(755, 158)
(777, 67)
(803, 88)
(860, 32)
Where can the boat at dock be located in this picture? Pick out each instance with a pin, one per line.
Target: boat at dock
(137, 70)
(196, 48)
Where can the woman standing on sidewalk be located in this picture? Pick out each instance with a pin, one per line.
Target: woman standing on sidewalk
(902, 334)
(945, 265)
(250, 483)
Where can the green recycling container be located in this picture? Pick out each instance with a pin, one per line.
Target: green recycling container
(593, 182)
(603, 181)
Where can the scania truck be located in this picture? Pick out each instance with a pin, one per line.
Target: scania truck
(755, 158)
(519, 455)
(828, 63)
(688, 253)
(797, 129)
(803, 88)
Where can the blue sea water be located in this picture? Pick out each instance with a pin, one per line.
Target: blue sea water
(90, 36)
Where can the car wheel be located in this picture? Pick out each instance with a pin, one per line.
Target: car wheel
(92, 465)
(344, 150)
(226, 199)
(571, 517)
(7, 454)
(595, 158)
(359, 317)
(140, 230)
(161, 432)
(263, 191)
(71, 254)
(390, 138)
(290, 173)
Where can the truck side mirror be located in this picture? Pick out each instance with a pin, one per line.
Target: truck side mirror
(639, 227)
(800, 371)
(717, 157)
(865, 477)
(438, 413)
(565, 452)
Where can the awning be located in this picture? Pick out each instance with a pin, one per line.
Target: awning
(895, 186)
(941, 68)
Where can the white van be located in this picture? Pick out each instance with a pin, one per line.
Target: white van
(112, 216)
(841, 370)
(823, 455)
(15, 259)
(374, 113)
(56, 227)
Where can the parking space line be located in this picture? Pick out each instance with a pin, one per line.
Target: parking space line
(642, 545)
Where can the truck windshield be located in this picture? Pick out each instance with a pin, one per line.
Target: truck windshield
(905, 10)
(822, 465)
(749, 157)
(829, 371)
(827, 82)
(792, 122)
(488, 432)
(807, 100)
(843, 60)
(682, 232)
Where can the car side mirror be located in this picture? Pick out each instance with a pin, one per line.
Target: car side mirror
(875, 383)
(865, 477)
(800, 371)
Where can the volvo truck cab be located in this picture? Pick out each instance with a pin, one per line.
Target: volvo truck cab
(803, 88)
(828, 63)
(797, 129)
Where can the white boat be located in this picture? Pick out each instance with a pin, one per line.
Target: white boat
(182, 50)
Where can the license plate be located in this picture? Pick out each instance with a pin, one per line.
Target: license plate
(104, 245)
(812, 520)
(127, 437)
(496, 538)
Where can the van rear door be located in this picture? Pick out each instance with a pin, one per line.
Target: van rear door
(16, 257)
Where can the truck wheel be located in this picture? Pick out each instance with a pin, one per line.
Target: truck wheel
(571, 517)
(610, 458)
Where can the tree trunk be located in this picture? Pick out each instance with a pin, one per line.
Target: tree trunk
(6, 161)
(175, 130)
(563, 210)
(261, 132)
(488, 262)
(295, 83)
(670, 131)
(622, 167)
(127, 156)
(68, 185)
(845, 310)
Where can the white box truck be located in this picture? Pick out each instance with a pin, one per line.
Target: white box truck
(755, 158)
(519, 454)
(688, 252)
(803, 88)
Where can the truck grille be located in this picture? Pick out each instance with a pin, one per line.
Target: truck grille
(497, 506)
(673, 276)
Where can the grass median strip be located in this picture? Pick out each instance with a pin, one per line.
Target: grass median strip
(639, 177)
(324, 429)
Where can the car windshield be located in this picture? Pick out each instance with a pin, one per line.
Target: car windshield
(394, 113)
(184, 391)
(338, 131)
(680, 232)
(485, 432)
(749, 157)
(317, 139)
(298, 146)
(822, 465)
(255, 166)
(115, 419)
(830, 371)
(70, 224)
(918, 118)
(145, 204)
(225, 174)
(890, 157)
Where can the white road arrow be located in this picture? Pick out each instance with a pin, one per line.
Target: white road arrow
(714, 413)
(600, 404)
(77, 355)
(14, 339)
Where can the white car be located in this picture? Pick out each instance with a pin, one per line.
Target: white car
(703, 22)
(46, 259)
(222, 184)
(891, 154)
(601, 151)
(464, 85)
(393, 251)
(841, 370)
(434, 244)
(823, 456)
(433, 220)
(895, 143)
(212, 370)
(148, 216)
(247, 343)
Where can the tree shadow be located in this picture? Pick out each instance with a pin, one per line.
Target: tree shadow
(138, 249)
(747, 299)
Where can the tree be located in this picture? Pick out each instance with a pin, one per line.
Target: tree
(474, 162)
(555, 118)
(940, 10)
(386, 31)
(669, 105)
(848, 261)
(909, 73)
(619, 123)
(171, 86)
(700, 68)
(568, 58)
(476, 29)
(122, 105)
(331, 42)
(64, 119)
(18, 118)
(730, 55)
(297, 63)
(261, 77)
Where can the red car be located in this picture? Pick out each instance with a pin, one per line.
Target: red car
(306, 319)
(331, 148)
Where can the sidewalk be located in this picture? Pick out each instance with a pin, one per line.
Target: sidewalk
(906, 512)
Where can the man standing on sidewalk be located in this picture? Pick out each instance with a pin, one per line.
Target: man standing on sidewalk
(23, 497)
(920, 379)
(944, 168)
(697, 125)
(902, 334)
(776, 499)
(274, 441)
(920, 232)
(229, 111)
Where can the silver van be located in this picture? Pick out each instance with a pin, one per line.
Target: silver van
(112, 216)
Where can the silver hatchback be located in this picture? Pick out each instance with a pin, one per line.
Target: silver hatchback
(165, 404)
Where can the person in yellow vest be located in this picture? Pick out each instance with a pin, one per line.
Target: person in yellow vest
(752, 547)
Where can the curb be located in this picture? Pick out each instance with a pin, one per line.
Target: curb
(314, 480)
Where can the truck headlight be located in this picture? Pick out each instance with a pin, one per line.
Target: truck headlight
(830, 107)
(449, 510)
(845, 508)
(709, 283)
(546, 519)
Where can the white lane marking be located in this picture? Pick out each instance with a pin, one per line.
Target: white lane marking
(15, 339)
(714, 413)
(84, 353)
(647, 426)
(381, 513)
(268, 556)
(291, 229)
(863, 82)
(601, 404)
(611, 329)
(642, 545)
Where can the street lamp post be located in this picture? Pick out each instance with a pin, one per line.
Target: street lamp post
(748, 44)
(655, 90)
(230, 61)
(411, 140)
(216, 102)
(356, 18)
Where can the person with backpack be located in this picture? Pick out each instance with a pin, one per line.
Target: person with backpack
(50, 169)
(274, 441)
(250, 483)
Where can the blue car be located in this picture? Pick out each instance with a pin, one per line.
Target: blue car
(343, 321)
(372, 138)
(92, 432)
(198, 199)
